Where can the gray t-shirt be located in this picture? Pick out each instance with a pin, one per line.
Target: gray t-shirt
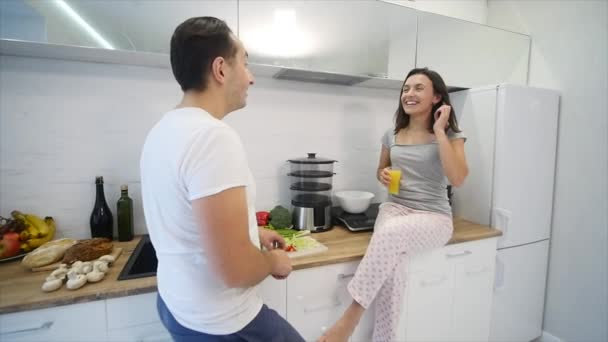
(423, 184)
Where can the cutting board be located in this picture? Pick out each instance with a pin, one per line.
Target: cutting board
(51, 267)
(316, 249)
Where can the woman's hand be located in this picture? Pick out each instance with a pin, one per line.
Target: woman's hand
(442, 115)
(384, 176)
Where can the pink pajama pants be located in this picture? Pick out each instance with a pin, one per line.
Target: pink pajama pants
(399, 232)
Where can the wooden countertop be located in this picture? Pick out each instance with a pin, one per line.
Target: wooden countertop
(344, 245)
(20, 288)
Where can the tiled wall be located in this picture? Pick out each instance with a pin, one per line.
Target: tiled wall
(62, 123)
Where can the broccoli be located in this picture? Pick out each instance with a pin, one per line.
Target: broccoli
(280, 217)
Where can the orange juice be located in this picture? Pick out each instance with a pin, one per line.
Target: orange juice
(393, 186)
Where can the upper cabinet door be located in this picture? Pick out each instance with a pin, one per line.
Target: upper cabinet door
(348, 37)
(467, 54)
(119, 25)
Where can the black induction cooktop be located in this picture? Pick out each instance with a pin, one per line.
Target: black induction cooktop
(356, 222)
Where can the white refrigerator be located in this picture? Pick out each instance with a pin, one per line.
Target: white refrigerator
(511, 149)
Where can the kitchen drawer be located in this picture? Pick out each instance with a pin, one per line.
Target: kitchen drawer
(150, 332)
(317, 297)
(457, 253)
(467, 252)
(76, 322)
(132, 310)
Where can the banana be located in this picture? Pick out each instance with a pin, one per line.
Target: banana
(50, 223)
(32, 231)
(25, 247)
(24, 235)
(34, 221)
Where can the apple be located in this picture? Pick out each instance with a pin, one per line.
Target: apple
(9, 245)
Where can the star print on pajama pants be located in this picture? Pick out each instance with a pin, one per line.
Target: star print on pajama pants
(399, 232)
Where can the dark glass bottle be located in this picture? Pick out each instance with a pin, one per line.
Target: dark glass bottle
(101, 217)
(124, 210)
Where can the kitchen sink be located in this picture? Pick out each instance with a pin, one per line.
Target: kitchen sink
(142, 263)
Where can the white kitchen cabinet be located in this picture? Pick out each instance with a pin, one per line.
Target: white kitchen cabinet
(317, 297)
(274, 295)
(135, 318)
(77, 322)
(427, 300)
(473, 287)
(132, 310)
(150, 332)
(468, 55)
(449, 293)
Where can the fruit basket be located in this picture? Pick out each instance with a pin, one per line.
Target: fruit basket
(22, 233)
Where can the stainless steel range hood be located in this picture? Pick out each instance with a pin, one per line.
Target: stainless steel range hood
(318, 77)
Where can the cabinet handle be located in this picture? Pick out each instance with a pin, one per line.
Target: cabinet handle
(458, 255)
(343, 276)
(44, 326)
(478, 271)
(425, 283)
(336, 303)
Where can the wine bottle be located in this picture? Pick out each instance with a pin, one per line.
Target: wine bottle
(124, 211)
(101, 217)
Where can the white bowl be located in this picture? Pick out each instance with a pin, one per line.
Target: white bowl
(354, 202)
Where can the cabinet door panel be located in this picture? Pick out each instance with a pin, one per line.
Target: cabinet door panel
(477, 55)
(317, 297)
(77, 322)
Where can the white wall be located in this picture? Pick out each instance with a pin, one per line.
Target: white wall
(569, 53)
(470, 10)
(62, 123)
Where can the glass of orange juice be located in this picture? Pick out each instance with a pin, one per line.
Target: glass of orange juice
(393, 186)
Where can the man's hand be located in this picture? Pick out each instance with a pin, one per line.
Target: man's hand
(281, 265)
(268, 237)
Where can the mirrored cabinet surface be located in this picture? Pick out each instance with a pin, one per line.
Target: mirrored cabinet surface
(134, 25)
(469, 54)
(367, 42)
(348, 37)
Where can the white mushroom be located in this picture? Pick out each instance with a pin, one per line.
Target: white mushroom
(59, 273)
(100, 266)
(72, 274)
(95, 276)
(52, 285)
(87, 267)
(107, 258)
(77, 267)
(77, 282)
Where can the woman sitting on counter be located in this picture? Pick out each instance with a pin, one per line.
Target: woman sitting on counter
(423, 151)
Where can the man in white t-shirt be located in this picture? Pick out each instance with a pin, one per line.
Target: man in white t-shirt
(198, 196)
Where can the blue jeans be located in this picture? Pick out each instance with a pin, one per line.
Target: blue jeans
(267, 326)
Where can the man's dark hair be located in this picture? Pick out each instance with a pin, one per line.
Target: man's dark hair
(195, 44)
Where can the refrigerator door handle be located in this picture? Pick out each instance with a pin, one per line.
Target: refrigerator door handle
(499, 278)
(500, 221)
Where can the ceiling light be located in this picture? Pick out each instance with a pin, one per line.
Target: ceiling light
(77, 18)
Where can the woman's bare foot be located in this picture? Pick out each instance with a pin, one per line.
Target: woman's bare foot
(344, 327)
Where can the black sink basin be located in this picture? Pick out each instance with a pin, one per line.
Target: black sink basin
(142, 263)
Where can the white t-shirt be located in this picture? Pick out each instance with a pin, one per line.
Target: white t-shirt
(187, 155)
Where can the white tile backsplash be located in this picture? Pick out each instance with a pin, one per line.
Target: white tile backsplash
(63, 122)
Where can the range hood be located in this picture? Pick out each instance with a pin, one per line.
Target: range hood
(325, 77)
(159, 60)
(318, 77)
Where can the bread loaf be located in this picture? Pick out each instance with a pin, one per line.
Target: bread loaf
(48, 253)
(87, 250)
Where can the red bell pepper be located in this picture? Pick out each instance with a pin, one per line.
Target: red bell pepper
(262, 217)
